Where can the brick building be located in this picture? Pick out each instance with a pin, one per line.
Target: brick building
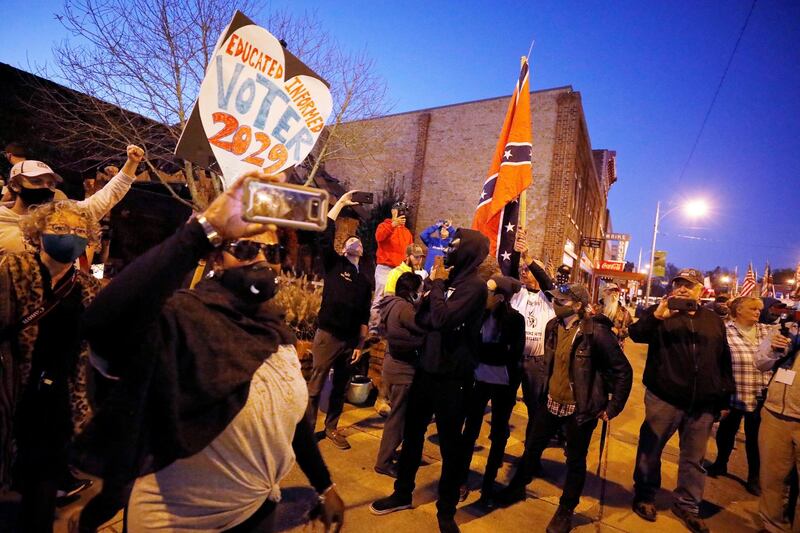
(441, 156)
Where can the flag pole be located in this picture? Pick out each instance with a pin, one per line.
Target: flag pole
(522, 222)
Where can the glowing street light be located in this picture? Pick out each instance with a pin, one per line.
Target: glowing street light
(725, 279)
(694, 208)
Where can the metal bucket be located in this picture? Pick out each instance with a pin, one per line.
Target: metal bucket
(359, 389)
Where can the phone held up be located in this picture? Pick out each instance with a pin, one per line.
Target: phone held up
(363, 198)
(682, 304)
(284, 204)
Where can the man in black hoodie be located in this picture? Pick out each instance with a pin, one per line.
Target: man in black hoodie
(452, 314)
(689, 380)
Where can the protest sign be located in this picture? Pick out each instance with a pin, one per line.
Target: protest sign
(254, 112)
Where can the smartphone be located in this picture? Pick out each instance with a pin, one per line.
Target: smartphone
(438, 261)
(682, 304)
(284, 204)
(363, 197)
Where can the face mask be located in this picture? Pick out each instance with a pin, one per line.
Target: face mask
(354, 248)
(450, 254)
(63, 248)
(36, 196)
(563, 311)
(254, 283)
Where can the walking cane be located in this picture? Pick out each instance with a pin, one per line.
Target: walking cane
(602, 465)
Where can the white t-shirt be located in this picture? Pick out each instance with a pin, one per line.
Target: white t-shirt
(537, 310)
(220, 486)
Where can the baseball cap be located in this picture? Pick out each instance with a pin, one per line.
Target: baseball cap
(415, 250)
(689, 274)
(33, 172)
(611, 287)
(574, 291)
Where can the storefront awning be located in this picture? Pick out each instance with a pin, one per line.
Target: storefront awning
(616, 274)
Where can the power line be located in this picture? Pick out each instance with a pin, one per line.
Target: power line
(716, 93)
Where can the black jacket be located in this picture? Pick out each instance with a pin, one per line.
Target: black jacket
(347, 293)
(507, 351)
(404, 336)
(598, 368)
(688, 359)
(185, 360)
(452, 311)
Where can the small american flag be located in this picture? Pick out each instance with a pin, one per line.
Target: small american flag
(749, 283)
(767, 288)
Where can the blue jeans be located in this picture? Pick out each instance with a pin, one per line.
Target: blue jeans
(661, 421)
(381, 273)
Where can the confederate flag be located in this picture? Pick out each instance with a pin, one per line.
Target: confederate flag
(497, 215)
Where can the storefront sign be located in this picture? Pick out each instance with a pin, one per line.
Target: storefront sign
(617, 266)
(618, 237)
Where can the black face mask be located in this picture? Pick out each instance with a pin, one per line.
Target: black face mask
(36, 196)
(252, 284)
(451, 253)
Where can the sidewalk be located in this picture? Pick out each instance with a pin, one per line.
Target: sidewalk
(605, 506)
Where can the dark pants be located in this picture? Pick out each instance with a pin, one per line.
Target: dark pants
(534, 387)
(661, 421)
(726, 436)
(503, 398)
(444, 397)
(262, 521)
(578, 437)
(44, 429)
(329, 352)
(397, 377)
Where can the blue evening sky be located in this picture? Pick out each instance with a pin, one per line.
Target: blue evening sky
(646, 70)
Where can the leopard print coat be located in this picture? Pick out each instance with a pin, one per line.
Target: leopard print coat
(21, 292)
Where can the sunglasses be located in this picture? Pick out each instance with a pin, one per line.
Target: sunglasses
(246, 250)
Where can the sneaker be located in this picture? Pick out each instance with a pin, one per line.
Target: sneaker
(382, 407)
(645, 510)
(692, 522)
(447, 525)
(561, 521)
(509, 495)
(72, 486)
(391, 471)
(463, 492)
(338, 440)
(716, 469)
(390, 504)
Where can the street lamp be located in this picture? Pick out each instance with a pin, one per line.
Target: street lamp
(693, 209)
(725, 279)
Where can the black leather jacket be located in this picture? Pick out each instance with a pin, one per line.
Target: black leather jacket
(598, 368)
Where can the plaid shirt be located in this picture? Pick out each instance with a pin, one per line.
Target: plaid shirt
(560, 409)
(750, 382)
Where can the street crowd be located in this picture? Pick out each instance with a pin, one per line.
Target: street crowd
(190, 404)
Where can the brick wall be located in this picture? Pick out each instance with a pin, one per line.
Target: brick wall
(443, 155)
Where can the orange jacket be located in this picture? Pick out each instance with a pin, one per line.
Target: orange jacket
(392, 243)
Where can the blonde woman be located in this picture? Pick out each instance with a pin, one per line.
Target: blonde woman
(745, 334)
(43, 396)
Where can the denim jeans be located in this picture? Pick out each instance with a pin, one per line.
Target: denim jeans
(381, 273)
(779, 442)
(661, 421)
(535, 376)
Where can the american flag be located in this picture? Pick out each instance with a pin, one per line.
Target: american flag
(767, 287)
(497, 214)
(749, 283)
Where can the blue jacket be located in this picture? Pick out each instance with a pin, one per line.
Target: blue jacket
(436, 245)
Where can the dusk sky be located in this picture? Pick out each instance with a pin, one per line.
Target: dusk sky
(647, 72)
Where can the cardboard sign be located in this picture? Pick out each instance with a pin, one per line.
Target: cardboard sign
(253, 114)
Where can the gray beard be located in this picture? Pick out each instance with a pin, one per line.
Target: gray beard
(610, 308)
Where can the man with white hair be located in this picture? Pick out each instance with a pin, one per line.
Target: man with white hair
(616, 312)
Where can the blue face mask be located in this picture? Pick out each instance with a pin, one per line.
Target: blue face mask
(63, 248)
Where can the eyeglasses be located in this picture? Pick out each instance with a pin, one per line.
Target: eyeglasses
(246, 250)
(685, 283)
(63, 229)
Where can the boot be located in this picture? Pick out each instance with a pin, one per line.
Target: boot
(561, 521)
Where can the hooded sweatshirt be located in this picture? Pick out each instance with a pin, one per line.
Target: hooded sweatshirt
(453, 310)
(392, 243)
(100, 203)
(404, 336)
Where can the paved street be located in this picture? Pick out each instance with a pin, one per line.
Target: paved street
(604, 507)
